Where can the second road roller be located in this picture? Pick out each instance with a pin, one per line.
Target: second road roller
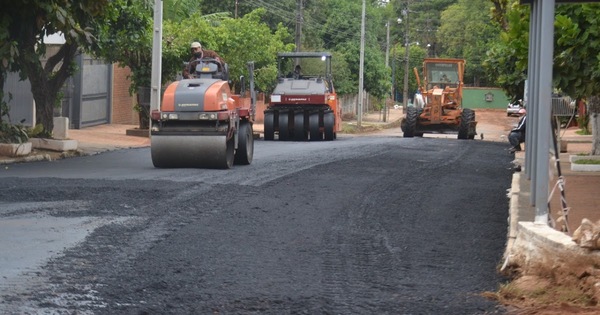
(304, 104)
(201, 123)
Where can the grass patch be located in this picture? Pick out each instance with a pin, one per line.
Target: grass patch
(353, 128)
(583, 132)
(587, 162)
(366, 127)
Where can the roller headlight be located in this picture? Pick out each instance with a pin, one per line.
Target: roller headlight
(207, 116)
(170, 116)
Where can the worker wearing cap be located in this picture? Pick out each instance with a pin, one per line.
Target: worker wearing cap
(197, 54)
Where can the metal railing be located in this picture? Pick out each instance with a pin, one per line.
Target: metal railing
(563, 106)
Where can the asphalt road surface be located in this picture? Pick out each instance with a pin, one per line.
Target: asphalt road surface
(360, 225)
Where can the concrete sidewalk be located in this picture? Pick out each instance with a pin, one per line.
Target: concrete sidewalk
(531, 244)
(106, 138)
(90, 141)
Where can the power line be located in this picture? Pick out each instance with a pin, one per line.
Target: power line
(289, 17)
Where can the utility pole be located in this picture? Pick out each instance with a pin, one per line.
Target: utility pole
(299, 20)
(155, 76)
(406, 57)
(387, 45)
(387, 64)
(362, 65)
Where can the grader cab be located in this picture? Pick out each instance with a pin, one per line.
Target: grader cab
(442, 110)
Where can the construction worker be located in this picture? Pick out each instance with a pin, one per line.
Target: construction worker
(444, 79)
(197, 54)
(297, 72)
(517, 135)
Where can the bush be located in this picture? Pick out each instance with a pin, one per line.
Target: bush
(13, 133)
(583, 121)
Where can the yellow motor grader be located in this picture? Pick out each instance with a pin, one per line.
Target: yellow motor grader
(442, 110)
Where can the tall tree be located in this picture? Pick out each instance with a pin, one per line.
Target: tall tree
(30, 22)
(506, 61)
(466, 31)
(8, 54)
(577, 56)
(176, 10)
(341, 34)
(416, 56)
(238, 41)
(424, 20)
(125, 37)
(576, 70)
(500, 7)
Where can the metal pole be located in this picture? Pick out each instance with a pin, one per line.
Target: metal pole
(155, 84)
(362, 62)
(299, 18)
(387, 45)
(406, 59)
(387, 64)
(543, 111)
(394, 74)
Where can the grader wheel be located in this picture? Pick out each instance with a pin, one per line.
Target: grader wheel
(409, 126)
(467, 118)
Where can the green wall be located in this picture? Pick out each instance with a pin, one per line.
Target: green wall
(476, 98)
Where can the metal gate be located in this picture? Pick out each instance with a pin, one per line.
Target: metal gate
(91, 102)
(17, 94)
(86, 96)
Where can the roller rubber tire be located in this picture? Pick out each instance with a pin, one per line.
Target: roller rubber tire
(328, 125)
(299, 130)
(315, 130)
(245, 150)
(269, 123)
(284, 128)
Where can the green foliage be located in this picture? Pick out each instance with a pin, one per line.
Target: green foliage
(237, 41)
(10, 133)
(37, 131)
(587, 162)
(424, 20)
(506, 61)
(376, 76)
(176, 10)
(466, 32)
(23, 29)
(415, 60)
(342, 78)
(338, 29)
(576, 53)
(125, 37)
(583, 121)
(577, 50)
